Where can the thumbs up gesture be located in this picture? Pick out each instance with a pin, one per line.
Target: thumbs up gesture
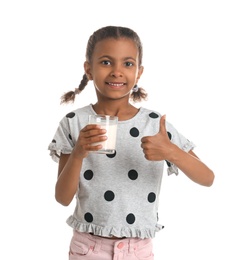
(157, 147)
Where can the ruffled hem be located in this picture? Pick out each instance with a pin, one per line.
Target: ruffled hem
(55, 151)
(112, 231)
(173, 169)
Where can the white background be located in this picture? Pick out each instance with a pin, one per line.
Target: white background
(194, 59)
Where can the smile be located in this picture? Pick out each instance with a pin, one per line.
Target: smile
(115, 84)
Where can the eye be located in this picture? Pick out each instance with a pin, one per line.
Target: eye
(128, 64)
(106, 62)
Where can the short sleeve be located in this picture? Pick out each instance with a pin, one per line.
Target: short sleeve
(62, 141)
(179, 140)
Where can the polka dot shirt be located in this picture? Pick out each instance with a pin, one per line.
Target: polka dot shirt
(118, 193)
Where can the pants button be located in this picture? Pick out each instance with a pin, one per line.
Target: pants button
(120, 245)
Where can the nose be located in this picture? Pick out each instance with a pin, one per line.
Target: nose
(116, 72)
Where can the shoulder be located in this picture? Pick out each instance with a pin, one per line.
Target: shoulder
(154, 117)
(150, 113)
(79, 111)
(83, 111)
(76, 117)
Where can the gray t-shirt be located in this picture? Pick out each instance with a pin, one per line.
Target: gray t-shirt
(118, 193)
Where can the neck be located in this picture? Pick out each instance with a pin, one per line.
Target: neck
(123, 111)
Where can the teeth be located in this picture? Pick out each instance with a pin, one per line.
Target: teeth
(116, 84)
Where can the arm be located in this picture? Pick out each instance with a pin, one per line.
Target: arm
(159, 147)
(191, 166)
(70, 164)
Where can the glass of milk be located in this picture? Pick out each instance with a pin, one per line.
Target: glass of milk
(110, 124)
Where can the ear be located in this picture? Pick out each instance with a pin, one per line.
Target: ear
(87, 69)
(141, 69)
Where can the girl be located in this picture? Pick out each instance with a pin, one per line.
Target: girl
(117, 195)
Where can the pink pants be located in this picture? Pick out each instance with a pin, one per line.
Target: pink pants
(90, 247)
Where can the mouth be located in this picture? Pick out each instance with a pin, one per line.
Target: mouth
(116, 84)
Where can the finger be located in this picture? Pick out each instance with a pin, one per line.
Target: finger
(96, 139)
(162, 128)
(145, 139)
(92, 126)
(89, 131)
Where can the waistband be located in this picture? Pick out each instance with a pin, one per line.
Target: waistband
(117, 244)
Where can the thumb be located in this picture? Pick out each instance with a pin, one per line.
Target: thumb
(162, 128)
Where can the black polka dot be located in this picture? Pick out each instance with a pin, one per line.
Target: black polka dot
(88, 175)
(70, 115)
(54, 141)
(70, 136)
(109, 195)
(133, 175)
(111, 155)
(169, 135)
(88, 217)
(130, 218)
(134, 132)
(151, 197)
(153, 115)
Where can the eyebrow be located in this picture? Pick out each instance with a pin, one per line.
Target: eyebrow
(109, 57)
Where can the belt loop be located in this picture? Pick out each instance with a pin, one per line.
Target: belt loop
(131, 246)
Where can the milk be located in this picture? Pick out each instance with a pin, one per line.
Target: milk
(111, 133)
(109, 123)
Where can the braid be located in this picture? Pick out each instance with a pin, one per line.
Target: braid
(70, 95)
(139, 95)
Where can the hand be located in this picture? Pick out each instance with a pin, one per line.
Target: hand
(88, 135)
(159, 146)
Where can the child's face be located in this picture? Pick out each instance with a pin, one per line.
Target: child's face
(114, 68)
